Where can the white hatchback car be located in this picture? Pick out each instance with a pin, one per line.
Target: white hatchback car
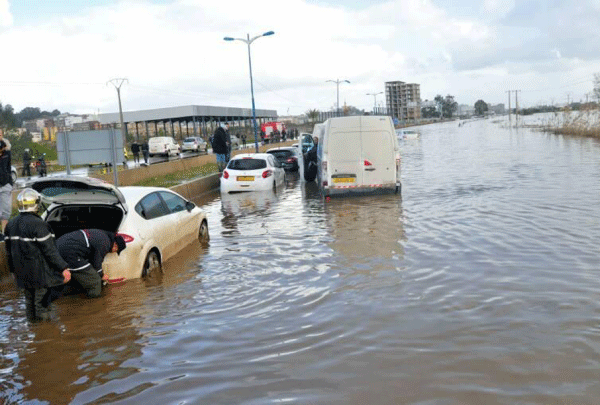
(155, 222)
(252, 172)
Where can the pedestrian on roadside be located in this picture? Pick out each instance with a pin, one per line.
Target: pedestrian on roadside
(135, 150)
(84, 251)
(6, 184)
(244, 140)
(41, 165)
(26, 163)
(33, 257)
(220, 146)
(145, 151)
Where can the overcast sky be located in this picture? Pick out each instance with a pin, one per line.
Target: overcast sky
(60, 54)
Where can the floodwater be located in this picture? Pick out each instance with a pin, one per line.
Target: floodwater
(480, 285)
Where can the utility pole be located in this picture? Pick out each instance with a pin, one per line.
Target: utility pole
(509, 116)
(118, 83)
(517, 107)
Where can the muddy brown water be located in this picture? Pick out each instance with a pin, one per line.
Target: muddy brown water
(479, 286)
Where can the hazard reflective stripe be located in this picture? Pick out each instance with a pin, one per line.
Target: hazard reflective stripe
(87, 242)
(361, 186)
(82, 267)
(50, 235)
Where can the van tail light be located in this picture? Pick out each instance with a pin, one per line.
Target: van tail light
(267, 173)
(126, 238)
(397, 164)
(367, 163)
(225, 174)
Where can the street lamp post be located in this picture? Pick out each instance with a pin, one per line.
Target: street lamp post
(375, 100)
(337, 82)
(248, 41)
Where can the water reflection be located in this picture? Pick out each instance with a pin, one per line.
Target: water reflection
(56, 361)
(366, 227)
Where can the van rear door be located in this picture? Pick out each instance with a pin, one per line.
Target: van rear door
(378, 157)
(344, 155)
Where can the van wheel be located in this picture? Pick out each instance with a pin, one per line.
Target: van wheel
(398, 189)
(152, 265)
(203, 234)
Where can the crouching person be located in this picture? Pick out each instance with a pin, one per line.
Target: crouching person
(33, 257)
(84, 251)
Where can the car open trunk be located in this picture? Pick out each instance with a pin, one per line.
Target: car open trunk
(66, 218)
(74, 203)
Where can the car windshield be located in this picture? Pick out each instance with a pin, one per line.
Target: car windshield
(281, 154)
(247, 164)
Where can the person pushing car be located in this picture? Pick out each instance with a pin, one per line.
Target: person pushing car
(84, 250)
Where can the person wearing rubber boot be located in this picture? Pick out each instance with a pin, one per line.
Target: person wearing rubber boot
(33, 257)
(84, 250)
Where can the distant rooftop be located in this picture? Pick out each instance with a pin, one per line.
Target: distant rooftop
(186, 113)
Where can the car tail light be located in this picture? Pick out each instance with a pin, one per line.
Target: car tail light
(267, 173)
(225, 174)
(126, 238)
(291, 160)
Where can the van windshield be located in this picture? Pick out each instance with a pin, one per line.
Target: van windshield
(189, 140)
(247, 164)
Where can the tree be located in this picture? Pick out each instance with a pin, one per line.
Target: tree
(313, 115)
(597, 87)
(429, 112)
(480, 107)
(446, 105)
(7, 117)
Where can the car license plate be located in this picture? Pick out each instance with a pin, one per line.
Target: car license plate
(245, 178)
(343, 179)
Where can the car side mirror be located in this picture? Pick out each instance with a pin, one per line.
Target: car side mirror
(190, 206)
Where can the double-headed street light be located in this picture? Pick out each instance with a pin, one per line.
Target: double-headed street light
(248, 41)
(337, 82)
(375, 100)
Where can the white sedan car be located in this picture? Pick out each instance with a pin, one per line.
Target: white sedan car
(252, 172)
(155, 222)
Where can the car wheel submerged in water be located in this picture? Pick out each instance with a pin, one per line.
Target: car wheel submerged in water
(152, 265)
(203, 234)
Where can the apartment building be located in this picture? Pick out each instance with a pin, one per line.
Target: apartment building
(403, 100)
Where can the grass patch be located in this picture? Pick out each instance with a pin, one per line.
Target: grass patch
(179, 177)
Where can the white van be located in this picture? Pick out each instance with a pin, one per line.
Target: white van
(358, 154)
(163, 145)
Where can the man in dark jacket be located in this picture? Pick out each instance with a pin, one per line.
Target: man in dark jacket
(84, 251)
(145, 151)
(26, 164)
(6, 183)
(220, 146)
(135, 150)
(33, 256)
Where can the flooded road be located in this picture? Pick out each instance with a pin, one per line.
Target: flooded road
(481, 285)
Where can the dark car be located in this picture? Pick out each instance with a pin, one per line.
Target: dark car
(287, 156)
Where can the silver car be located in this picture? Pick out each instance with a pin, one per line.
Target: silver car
(193, 144)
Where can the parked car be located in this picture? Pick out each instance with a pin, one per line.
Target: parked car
(287, 156)
(163, 145)
(155, 222)
(235, 142)
(193, 144)
(407, 134)
(252, 172)
(13, 173)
